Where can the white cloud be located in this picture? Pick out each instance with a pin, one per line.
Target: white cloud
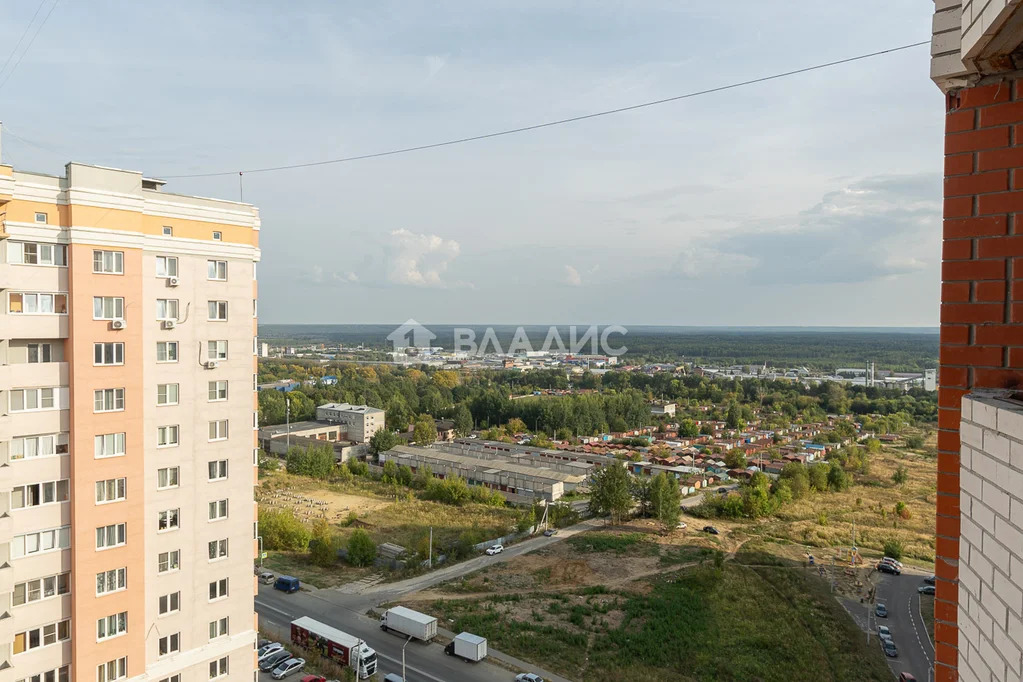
(420, 260)
(572, 277)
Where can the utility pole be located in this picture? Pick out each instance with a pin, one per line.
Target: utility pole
(287, 416)
(431, 566)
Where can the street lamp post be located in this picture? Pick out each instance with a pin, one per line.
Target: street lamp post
(403, 678)
(287, 416)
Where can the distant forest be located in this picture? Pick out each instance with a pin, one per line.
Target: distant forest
(818, 348)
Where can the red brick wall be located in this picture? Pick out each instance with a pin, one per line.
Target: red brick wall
(981, 300)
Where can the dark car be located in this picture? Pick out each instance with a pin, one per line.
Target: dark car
(273, 660)
(710, 529)
(885, 567)
(930, 579)
(881, 611)
(550, 532)
(889, 649)
(925, 589)
(906, 677)
(287, 583)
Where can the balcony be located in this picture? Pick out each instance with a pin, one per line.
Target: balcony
(34, 326)
(33, 277)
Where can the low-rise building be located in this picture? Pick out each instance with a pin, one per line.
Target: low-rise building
(360, 421)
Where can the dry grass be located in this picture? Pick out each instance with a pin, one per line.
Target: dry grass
(870, 505)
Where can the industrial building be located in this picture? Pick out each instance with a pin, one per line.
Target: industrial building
(518, 482)
(360, 421)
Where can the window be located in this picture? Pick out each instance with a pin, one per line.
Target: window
(37, 304)
(168, 561)
(39, 352)
(169, 603)
(166, 351)
(216, 310)
(217, 350)
(113, 580)
(218, 510)
(217, 470)
(116, 669)
(108, 353)
(32, 447)
(110, 490)
(166, 266)
(168, 230)
(109, 445)
(31, 399)
(217, 236)
(108, 400)
(167, 436)
(218, 668)
(41, 218)
(218, 589)
(41, 541)
(166, 394)
(32, 253)
(107, 307)
(108, 262)
(217, 390)
(167, 478)
(218, 430)
(37, 494)
(168, 520)
(113, 535)
(62, 674)
(216, 269)
(172, 678)
(255, 305)
(166, 309)
(41, 588)
(42, 636)
(112, 626)
(218, 628)
(218, 549)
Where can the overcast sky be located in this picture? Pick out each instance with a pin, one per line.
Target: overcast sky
(811, 200)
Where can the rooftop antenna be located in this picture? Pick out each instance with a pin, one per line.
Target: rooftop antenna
(241, 191)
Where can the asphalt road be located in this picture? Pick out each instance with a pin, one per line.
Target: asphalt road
(423, 662)
(916, 652)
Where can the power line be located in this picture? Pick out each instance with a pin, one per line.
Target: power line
(29, 46)
(558, 122)
(22, 38)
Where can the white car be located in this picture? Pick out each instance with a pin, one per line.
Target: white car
(495, 549)
(292, 665)
(682, 524)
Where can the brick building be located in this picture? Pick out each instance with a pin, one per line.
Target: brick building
(979, 526)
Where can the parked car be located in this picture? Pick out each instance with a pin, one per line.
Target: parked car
(889, 648)
(271, 661)
(495, 549)
(288, 667)
(906, 677)
(267, 578)
(260, 643)
(881, 611)
(287, 583)
(930, 581)
(550, 532)
(883, 567)
(314, 678)
(682, 525)
(528, 677)
(894, 562)
(925, 589)
(395, 677)
(883, 632)
(268, 648)
(710, 529)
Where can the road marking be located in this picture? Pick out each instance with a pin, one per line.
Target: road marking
(397, 661)
(912, 621)
(273, 608)
(923, 623)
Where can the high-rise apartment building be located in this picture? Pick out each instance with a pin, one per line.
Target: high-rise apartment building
(127, 430)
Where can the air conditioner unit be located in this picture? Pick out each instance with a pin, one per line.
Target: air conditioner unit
(172, 281)
(211, 364)
(118, 323)
(170, 324)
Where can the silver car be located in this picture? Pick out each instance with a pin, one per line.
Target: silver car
(288, 667)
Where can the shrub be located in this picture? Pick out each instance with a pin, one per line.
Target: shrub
(361, 548)
(358, 468)
(900, 476)
(324, 544)
(281, 530)
(893, 548)
(316, 461)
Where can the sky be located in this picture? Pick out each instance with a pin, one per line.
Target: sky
(809, 200)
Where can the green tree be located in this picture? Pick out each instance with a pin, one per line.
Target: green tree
(361, 548)
(873, 445)
(735, 459)
(390, 472)
(901, 475)
(818, 475)
(893, 548)
(610, 492)
(688, 429)
(665, 500)
(733, 418)
(914, 442)
(317, 461)
(755, 501)
(422, 478)
(271, 408)
(797, 477)
(324, 544)
(838, 480)
(281, 530)
(382, 441)
(463, 420)
(405, 475)
(515, 425)
(783, 492)
(425, 431)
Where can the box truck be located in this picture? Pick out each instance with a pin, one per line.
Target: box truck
(348, 650)
(409, 623)
(468, 646)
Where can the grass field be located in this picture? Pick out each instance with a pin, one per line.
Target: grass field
(622, 607)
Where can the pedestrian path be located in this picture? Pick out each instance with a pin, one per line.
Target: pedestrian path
(360, 586)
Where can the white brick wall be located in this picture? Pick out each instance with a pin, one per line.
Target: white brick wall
(991, 545)
(963, 38)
